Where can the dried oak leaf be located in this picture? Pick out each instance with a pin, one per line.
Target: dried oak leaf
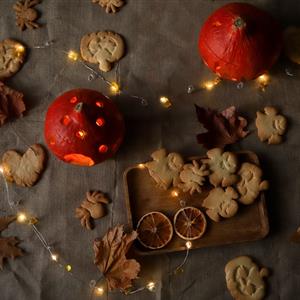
(223, 128)
(8, 245)
(11, 103)
(110, 257)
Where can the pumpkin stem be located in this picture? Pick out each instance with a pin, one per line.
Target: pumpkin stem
(78, 107)
(239, 23)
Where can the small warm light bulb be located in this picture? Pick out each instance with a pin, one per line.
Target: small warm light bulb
(174, 193)
(99, 291)
(209, 85)
(72, 55)
(1, 169)
(54, 257)
(20, 49)
(150, 286)
(141, 166)
(114, 87)
(69, 268)
(165, 101)
(188, 244)
(81, 134)
(264, 78)
(21, 218)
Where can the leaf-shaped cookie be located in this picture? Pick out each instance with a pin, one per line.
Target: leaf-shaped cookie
(24, 169)
(223, 128)
(110, 257)
(8, 245)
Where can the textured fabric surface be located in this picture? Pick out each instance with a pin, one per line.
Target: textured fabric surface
(162, 59)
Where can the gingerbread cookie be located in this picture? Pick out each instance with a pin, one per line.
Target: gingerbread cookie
(103, 48)
(26, 14)
(25, 169)
(244, 279)
(12, 56)
(110, 6)
(164, 168)
(223, 166)
(192, 177)
(270, 125)
(250, 184)
(91, 208)
(220, 203)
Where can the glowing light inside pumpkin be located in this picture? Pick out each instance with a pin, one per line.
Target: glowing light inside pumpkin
(79, 159)
(165, 102)
(103, 148)
(141, 166)
(66, 120)
(100, 122)
(73, 56)
(99, 104)
(81, 134)
(73, 100)
(114, 87)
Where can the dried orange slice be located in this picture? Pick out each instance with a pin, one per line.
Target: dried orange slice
(189, 223)
(154, 230)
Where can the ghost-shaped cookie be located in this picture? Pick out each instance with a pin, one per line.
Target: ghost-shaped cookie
(270, 125)
(221, 203)
(251, 183)
(103, 48)
(165, 168)
(223, 166)
(244, 279)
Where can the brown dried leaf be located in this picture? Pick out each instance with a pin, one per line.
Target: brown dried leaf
(110, 257)
(223, 128)
(8, 245)
(11, 103)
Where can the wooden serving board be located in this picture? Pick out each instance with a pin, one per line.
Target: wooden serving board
(143, 196)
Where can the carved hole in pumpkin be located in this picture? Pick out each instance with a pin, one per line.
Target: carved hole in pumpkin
(99, 104)
(73, 100)
(66, 120)
(52, 141)
(79, 159)
(81, 134)
(100, 122)
(103, 149)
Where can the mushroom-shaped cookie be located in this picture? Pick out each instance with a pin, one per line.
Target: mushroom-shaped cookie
(93, 207)
(103, 48)
(250, 184)
(223, 166)
(220, 203)
(192, 177)
(270, 125)
(244, 279)
(164, 168)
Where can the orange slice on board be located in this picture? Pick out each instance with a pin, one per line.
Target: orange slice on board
(154, 230)
(189, 223)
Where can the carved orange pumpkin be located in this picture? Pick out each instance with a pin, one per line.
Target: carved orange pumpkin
(83, 127)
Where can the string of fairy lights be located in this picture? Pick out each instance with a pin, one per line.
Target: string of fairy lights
(97, 286)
